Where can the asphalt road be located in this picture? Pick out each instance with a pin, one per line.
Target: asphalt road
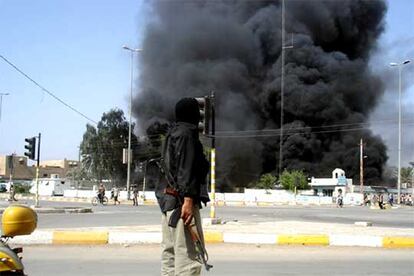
(227, 260)
(127, 215)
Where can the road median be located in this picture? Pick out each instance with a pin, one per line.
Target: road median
(95, 237)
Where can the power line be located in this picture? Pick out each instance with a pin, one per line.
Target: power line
(276, 133)
(266, 132)
(389, 121)
(47, 91)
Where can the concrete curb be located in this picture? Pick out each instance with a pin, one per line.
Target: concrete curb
(86, 237)
(58, 210)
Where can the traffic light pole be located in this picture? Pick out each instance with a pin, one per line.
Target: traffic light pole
(11, 167)
(213, 159)
(37, 172)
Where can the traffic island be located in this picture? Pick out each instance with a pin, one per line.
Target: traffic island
(61, 210)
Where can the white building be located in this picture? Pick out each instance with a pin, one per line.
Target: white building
(51, 186)
(331, 186)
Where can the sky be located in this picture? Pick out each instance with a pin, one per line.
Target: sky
(73, 48)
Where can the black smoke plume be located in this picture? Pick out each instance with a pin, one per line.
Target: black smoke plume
(234, 48)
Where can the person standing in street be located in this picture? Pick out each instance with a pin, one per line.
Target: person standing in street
(340, 199)
(12, 192)
(135, 194)
(381, 201)
(115, 192)
(390, 199)
(184, 161)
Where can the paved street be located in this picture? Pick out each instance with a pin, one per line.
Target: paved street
(127, 215)
(249, 260)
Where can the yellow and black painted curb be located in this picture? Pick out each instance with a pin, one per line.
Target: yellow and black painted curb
(94, 237)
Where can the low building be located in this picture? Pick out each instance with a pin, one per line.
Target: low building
(331, 186)
(19, 168)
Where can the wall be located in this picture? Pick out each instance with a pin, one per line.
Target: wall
(251, 197)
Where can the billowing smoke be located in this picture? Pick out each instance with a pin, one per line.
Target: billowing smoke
(234, 49)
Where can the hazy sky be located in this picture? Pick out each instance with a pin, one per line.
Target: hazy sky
(74, 49)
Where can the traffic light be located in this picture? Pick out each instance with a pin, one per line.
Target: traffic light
(30, 147)
(205, 107)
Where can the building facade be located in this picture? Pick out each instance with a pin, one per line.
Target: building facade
(331, 186)
(18, 168)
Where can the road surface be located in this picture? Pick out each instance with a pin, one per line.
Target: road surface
(127, 215)
(227, 260)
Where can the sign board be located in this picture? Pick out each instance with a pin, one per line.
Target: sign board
(342, 180)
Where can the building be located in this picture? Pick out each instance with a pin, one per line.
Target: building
(19, 168)
(16, 166)
(331, 186)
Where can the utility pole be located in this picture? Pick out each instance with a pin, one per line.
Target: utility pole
(213, 159)
(1, 101)
(37, 172)
(10, 161)
(144, 181)
(282, 87)
(361, 166)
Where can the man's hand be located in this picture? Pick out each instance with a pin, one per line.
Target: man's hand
(187, 210)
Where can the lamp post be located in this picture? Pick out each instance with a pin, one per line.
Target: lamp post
(399, 65)
(1, 101)
(132, 51)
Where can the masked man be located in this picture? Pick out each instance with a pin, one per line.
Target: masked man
(184, 161)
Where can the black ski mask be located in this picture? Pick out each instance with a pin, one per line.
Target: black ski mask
(186, 110)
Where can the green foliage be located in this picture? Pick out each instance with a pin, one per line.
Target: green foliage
(102, 147)
(78, 173)
(21, 188)
(266, 181)
(406, 175)
(294, 180)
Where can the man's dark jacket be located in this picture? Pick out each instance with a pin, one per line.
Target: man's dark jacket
(184, 159)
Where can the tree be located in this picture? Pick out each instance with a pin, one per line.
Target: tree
(406, 175)
(267, 181)
(294, 180)
(102, 147)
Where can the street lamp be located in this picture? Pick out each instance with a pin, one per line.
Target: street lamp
(132, 51)
(399, 65)
(1, 101)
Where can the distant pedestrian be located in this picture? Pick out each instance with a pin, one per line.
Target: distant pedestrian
(12, 192)
(115, 193)
(367, 201)
(390, 199)
(135, 193)
(402, 199)
(340, 199)
(374, 199)
(409, 200)
(381, 201)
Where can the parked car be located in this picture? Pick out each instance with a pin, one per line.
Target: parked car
(3, 187)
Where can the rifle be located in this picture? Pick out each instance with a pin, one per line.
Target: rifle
(200, 249)
(176, 215)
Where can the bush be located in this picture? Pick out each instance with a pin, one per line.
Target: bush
(266, 181)
(21, 188)
(295, 180)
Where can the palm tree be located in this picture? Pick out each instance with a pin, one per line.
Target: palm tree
(406, 175)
